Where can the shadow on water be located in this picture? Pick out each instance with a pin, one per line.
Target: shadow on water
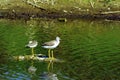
(91, 50)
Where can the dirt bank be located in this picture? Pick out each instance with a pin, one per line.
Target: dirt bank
(49, 14)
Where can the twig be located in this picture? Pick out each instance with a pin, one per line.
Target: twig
(110, 12)
(30, 3)
(92, 4)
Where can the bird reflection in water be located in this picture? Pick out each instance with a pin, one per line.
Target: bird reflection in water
(32, 69)
(49, 75)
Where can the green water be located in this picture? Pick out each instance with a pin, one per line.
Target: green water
(90, 49)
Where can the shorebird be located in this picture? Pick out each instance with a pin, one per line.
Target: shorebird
(51, 45)
(32, 45)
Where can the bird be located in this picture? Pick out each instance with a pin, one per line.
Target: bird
(51, 45)
(32, 45)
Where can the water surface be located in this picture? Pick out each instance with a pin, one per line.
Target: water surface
(90, 49)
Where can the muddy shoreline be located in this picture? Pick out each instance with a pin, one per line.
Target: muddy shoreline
(56, 15)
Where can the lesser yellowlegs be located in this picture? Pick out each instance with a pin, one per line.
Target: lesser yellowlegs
(51, 45)
(32, 44)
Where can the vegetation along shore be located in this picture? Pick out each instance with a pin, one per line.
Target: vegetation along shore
(71, 9)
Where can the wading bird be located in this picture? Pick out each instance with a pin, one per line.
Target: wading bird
(51, 45)
(32, 45)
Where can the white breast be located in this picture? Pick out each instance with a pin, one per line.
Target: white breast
(56, 43)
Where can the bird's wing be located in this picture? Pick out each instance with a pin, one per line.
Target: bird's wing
(50, 43)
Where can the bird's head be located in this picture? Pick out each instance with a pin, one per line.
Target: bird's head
(30, 42)
(58, 38)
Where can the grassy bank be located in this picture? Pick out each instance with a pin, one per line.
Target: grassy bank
(61, 7)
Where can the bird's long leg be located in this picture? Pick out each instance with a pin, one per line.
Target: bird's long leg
(32, 51)
(49, 53)
(52, 54)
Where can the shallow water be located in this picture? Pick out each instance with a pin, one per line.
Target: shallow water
(90, 50)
